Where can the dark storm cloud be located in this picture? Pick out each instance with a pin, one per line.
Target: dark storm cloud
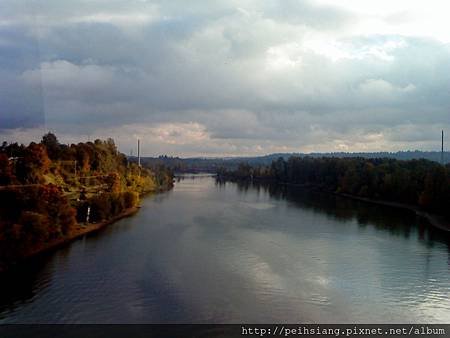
(21, 104)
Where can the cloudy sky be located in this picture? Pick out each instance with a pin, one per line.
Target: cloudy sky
(227, 77)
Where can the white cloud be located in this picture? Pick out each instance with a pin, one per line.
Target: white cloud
(400, 17)
(379, 89)
(283, 57)
(228, 77)
(63, 75)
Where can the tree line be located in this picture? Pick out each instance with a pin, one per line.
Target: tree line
(48, 189)
(421, 183)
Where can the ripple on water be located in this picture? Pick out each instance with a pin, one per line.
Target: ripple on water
(208, 254)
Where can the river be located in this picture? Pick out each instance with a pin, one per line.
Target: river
(209, 252)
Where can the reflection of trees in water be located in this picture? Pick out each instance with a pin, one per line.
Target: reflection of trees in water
(31, 277)
(192, 176)
(397, 222)
(21, 285)
(23, 282)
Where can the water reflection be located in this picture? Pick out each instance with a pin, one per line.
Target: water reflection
(397, 222)
(215, 252)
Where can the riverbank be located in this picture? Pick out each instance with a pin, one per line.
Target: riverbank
(436, 221)
(79, 231)
(84, 229)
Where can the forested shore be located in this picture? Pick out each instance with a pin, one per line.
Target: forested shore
(51, 193)
(419, 185)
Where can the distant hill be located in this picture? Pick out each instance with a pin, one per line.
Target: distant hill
(199, 164)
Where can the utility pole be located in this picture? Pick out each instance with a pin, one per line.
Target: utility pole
(139, 153)
(442, 148)
(139, 156)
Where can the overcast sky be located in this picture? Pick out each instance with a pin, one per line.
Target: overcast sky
(227, 77)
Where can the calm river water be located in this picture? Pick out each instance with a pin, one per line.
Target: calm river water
(225, 253)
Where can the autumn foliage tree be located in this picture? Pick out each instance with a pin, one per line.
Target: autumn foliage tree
(34, 164)
(47, 188)
(52, 145)
(6, 170)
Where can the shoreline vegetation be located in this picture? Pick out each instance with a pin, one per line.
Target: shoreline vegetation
(79, 231)
(52, 194)
(436, 221)
(420, 186)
